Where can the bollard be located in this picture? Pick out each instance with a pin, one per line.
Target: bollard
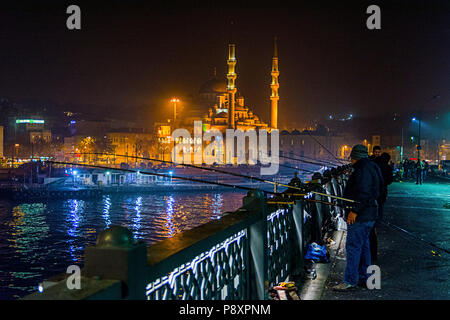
(117, 256)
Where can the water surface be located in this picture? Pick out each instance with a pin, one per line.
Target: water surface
(39, 240)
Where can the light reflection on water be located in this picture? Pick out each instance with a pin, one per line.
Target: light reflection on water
(39, 240)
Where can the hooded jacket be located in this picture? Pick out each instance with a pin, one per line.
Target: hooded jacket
(365, 186)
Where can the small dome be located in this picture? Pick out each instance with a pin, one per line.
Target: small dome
(116, 236)
(214, 86)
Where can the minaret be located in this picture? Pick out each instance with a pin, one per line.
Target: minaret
(231, 87)
(274, 88)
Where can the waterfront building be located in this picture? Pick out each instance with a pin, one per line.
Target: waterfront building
(318, 144)
(225, 107)
(131, 143)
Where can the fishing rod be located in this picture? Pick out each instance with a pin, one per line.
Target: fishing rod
(327, 195)
(206, 181)
(296, 168)
(184, 164)
(152, 173)
(204, 168)
(309, 200)
(306, 161)
(339, 160)
(226, 172)
(190, 179)
(393, 226)
(319, 160)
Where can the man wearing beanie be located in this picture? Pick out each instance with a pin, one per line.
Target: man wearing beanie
(364, 186)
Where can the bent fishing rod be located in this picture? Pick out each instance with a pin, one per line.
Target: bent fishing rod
(313, 159)
(191, 180)
(198, 167)
(226, 172)
(171, 162)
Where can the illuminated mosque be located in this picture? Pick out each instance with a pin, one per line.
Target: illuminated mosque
(226, 107)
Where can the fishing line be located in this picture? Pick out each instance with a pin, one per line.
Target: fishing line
(339, 160)
(229, 173)
(395, 227)
(190, 179)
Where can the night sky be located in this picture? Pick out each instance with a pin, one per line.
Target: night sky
(136, 55)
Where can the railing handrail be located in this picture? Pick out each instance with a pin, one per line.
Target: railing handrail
(167, 254)
(164, 256)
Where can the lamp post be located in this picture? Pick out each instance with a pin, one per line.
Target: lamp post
(175, 101)
(401, 149)
(419, 147)
(17, 153)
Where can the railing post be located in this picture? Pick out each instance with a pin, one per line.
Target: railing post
(317, 221)
(297, 214)
(257, 241)
(117, 256)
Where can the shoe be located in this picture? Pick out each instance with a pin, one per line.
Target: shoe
(343, 287)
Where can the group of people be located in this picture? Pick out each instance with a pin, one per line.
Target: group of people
(416, 170)
(367, 186)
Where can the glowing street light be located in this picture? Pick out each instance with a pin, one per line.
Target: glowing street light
(175, 101)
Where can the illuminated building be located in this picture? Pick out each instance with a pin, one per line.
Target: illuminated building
(226, 107)
(274, 97)
(135, 143)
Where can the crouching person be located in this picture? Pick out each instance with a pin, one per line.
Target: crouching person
(363, 187)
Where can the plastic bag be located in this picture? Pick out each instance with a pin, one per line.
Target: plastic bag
(316, 253)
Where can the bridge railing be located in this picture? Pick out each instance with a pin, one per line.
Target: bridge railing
(238, 256)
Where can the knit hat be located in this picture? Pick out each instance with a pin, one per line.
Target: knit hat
(359, 151)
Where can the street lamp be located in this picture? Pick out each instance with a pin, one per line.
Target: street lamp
(17, 153)
(419, 147)
(414, 119)
(175, 101)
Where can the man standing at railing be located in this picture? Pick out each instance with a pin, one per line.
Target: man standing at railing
(364, 187)
(295, 182)
(386, 170)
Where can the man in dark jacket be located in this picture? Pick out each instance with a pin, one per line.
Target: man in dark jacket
(364, 187)
(419, 172)
(386, 170)
(388, 177)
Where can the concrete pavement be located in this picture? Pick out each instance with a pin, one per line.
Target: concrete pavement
(409, 269)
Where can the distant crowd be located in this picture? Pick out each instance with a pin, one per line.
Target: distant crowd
(412, 170)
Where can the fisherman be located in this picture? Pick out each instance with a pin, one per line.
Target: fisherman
(386, 170)
(364, 187)
(376, 152)
(295, 182)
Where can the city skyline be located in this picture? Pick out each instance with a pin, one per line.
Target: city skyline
(139, 56)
